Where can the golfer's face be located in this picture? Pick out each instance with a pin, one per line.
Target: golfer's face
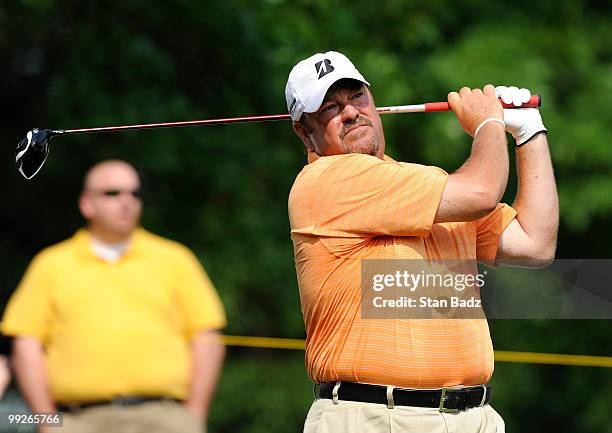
(347, 122)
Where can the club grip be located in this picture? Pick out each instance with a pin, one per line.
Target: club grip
(534, 102)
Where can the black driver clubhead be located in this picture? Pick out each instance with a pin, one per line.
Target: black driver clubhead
(32, 151)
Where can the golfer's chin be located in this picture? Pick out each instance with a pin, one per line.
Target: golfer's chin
(366, 144)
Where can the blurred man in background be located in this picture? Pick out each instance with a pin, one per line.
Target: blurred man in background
(116, 327)
(352, 202)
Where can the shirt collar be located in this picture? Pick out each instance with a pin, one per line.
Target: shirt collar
(312, 157)
(83, 243)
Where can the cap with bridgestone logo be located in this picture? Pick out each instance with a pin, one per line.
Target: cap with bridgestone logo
(310, 79)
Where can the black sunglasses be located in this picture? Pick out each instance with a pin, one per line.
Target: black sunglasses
(136, 193)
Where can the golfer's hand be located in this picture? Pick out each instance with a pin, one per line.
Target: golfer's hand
(472, 107)
(522, 123)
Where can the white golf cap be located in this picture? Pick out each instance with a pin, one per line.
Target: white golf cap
(310, 79)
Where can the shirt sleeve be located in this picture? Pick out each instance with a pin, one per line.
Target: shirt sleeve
(361, 195)
(197, 296)
(29, 311)
(489, 229)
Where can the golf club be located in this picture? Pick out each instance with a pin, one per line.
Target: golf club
(33, 149)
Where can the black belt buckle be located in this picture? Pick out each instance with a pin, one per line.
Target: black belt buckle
(461, 398)
(444, 397)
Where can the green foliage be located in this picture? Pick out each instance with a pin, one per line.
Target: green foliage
(266, 391)
(223, 190)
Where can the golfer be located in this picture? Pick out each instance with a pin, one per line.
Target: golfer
(352, 202)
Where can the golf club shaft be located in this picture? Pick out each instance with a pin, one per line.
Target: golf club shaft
(428, 107)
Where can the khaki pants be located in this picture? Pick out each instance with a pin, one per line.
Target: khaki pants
(355, 417)
(149, 417)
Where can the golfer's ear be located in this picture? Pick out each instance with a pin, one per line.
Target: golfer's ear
(301, 132)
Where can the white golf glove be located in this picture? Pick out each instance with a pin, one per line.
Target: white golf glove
(522, 123)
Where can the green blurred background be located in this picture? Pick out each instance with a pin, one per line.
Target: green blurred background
(222, 190)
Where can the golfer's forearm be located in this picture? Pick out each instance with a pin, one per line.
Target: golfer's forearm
(29, 365)
(488, 164)
(208, 352)
(536, 203)
(477, 187)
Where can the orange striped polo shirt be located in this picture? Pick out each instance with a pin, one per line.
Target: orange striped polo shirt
(345, 208)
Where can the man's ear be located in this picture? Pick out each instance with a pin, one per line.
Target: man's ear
(86, 206)
(301, 132)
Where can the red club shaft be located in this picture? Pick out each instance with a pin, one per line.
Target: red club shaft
(427, 107)
(185, 123)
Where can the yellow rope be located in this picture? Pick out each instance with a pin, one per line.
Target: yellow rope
(264, 342)
(500, 355)
(553, 358)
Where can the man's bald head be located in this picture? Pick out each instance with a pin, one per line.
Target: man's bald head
(104, 171)
(110, 200)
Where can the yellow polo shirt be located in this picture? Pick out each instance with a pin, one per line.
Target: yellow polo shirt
(112, 329)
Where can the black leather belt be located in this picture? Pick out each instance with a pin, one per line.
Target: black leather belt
(119, 401)
(452, 399)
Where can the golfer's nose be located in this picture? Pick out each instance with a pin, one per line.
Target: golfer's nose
(349, 113)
